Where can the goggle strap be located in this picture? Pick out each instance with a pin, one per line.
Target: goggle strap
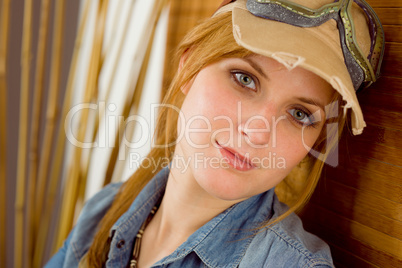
(377, 37)
(280, 13)
(355, 71)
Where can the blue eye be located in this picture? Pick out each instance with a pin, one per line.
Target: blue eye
(301, 116)
(245, 80)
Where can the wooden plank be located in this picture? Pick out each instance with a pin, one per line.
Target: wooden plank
(391, 100)
(376, 168)
(353, 204)
(344, 258)
(390, 16)
(382, 101)
(381, 135)
(386, 85)
(333, 236)
(384, 3)
(337, 264)
(392, 59)
(372, 182)
(375, 151)
(343, 198)
(365, 165)
(184, 15)
(382, 117)
(362, 200)
(393, 33)
(356, 238)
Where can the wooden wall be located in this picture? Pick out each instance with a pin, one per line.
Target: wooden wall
(357, 207)
(184, 15)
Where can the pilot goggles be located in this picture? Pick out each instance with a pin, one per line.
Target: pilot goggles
(363, 70)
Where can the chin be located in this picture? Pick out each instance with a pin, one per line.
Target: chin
(227, 186)
(231, 185)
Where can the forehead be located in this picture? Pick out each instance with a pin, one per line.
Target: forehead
(285, 64)
(306, 80)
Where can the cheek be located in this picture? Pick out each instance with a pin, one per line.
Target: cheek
(200, 109)
(210, 100)
(293, 147)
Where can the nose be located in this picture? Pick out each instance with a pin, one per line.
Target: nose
(256, 131)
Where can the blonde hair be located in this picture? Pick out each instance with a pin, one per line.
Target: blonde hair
(207, 43)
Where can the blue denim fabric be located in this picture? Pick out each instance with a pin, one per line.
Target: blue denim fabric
(228, 240)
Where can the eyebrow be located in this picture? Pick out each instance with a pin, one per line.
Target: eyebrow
(256, 67)
(312, 102)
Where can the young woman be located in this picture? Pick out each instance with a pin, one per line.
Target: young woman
(261, 92)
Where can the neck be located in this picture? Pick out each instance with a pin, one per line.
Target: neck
(185, 207)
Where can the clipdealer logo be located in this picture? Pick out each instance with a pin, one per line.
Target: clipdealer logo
(115, 126)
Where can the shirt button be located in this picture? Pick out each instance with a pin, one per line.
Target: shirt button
(120, 244)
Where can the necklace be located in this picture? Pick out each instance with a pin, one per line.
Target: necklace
(137, 243)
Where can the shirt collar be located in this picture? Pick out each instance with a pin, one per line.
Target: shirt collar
(221, 242)
(130, 222)
(232, 235)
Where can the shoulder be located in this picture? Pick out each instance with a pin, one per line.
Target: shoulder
(100, 202)
(287, 244)
(84, 231)
(94, 210)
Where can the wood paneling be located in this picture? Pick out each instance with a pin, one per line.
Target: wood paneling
(338, 232)
(366, 174)
(393, 33)
(384, 118)
(380, 135)
(344, 258)
(376, 151)
(183, 16)
(390, 16)
(392, 59)
(348, 199)
(380, 213)
(385, 3)
(387, 85)
(386, 102)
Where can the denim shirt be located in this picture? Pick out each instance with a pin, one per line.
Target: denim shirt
(231, 239)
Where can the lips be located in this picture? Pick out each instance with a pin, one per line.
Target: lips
(235, 159)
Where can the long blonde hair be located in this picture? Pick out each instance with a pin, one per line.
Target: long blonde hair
(207, 43)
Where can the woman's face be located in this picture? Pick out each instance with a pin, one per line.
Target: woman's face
(246, 123)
